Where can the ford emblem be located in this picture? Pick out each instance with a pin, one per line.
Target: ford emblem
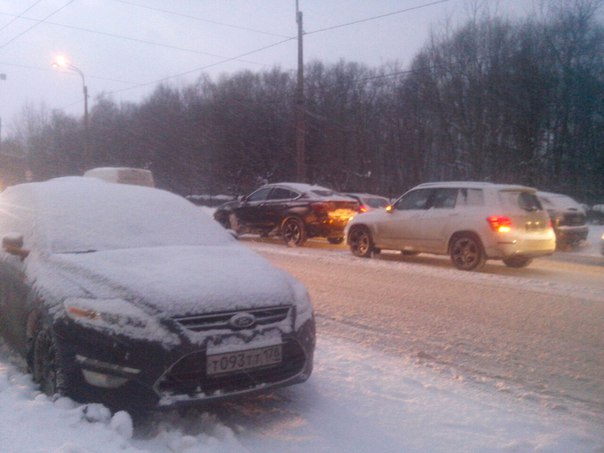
(242, 320)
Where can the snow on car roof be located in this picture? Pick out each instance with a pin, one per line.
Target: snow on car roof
(475, 184)
(311, 188)
(300, 186)
(142, 241)
(79, 214)
(558, 200)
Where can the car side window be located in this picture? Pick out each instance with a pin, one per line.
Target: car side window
(280, 193)
(444, 198)
(260, 194)
(470, 197)
(418, 199)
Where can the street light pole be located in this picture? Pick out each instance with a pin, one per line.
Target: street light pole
(62, 63)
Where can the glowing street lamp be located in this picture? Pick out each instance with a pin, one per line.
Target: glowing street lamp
(61, 62)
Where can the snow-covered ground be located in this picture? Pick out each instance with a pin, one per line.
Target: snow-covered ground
(358, 400)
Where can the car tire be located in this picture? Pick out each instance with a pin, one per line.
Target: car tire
(47, 368)
(335, 241)
(467, 253)
(517, 262)
(361, 242)
(293, 232)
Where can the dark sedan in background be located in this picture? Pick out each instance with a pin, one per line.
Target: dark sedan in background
(294, 211)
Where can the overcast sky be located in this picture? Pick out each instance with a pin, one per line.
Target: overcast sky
(126, 47)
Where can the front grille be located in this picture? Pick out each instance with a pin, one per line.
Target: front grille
(220, 320)
(188, 375)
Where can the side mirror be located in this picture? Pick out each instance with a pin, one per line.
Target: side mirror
(389, 209)
(13, 244)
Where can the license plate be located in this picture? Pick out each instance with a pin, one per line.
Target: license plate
(230, 362)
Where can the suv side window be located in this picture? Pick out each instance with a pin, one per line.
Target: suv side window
(418, 199)
(279, 193)
(259, 195)
(444, 198)
(470, 197)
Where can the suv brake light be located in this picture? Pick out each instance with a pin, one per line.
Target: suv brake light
(500, 224)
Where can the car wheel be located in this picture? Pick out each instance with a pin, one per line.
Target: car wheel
(467, 253)
(46, 364)
(517, 261)
(361, 243)
(335, 240)
(293, 232)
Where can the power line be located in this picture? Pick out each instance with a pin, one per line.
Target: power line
(202, 68)
(381, 16)
(37, 23)
(188, 16)
(426, 5)
(20, 15)
(129, 38)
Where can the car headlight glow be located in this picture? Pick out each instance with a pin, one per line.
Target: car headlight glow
(109, 312)
(118, 316)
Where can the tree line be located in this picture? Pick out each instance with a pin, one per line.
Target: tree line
(493, 100)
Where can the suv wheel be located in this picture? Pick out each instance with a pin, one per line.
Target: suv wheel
(361, 243)
(517, 261)
(467, 253)
(293, 231)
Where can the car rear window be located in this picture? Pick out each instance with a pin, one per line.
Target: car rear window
(322, 193)
(527, 201)
(376, 202)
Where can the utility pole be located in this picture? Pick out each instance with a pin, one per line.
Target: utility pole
(300, 110)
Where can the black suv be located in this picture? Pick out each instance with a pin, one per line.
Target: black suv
(294, 211)
(568, 219)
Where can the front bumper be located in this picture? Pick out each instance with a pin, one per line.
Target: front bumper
(130, 374)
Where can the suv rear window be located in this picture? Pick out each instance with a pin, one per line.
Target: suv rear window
(526, 201)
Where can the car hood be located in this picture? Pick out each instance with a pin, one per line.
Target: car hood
(179, 280)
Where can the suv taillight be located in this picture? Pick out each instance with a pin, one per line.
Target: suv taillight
(500, 224)
(363, 208)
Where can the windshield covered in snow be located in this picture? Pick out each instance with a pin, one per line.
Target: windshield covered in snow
(80, 215)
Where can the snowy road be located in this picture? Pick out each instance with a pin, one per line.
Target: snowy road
(536, 333)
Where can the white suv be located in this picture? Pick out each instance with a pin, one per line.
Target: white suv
(470, 221)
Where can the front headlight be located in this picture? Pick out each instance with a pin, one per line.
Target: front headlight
(117, 316)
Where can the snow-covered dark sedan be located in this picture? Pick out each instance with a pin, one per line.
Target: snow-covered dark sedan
(133, 297)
